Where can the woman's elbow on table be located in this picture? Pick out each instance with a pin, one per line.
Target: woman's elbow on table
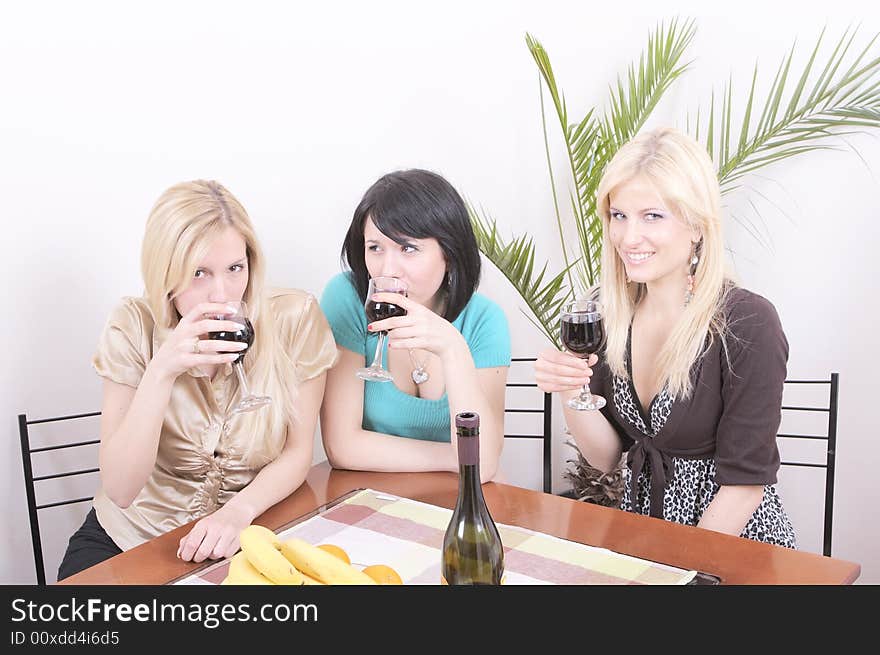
(489, 468)
(335, 462)
(337, 453)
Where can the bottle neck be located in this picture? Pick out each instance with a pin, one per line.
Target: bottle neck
(468, 448)
(469, 465)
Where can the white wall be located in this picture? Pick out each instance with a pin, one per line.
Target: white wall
(298, 110)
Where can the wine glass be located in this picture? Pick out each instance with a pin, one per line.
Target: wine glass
(377, 311)
(583, 333)
(248, 401)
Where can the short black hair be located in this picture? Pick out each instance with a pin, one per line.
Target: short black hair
(418, 204)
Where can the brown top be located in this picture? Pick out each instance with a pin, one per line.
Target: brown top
(733, 412)
(199, 463)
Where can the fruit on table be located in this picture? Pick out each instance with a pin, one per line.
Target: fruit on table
(265, 559)
(337, 551)
(321, 565)
(241, 571)
(260, 545)
(383, 574)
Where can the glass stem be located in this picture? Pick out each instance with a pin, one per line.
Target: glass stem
(242, 382)
(377, 357)
(586, 396)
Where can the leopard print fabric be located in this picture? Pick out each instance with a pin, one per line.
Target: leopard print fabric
(626, 405)
(689, 492)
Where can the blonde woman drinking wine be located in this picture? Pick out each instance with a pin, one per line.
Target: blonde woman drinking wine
(183, 438)
(693, 366)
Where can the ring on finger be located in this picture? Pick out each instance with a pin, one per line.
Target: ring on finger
(196, 349)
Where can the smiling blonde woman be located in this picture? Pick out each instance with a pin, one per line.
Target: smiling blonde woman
(693, 365)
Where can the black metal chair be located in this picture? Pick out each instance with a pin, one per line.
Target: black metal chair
(546, 433)
(830, 451)
(30, 479)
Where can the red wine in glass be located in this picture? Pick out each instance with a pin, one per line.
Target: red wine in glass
(582, 331)
(583, 337)
(244, 335)
(378, 311)
(248, 401)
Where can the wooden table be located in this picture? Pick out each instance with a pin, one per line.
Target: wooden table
(734, 560)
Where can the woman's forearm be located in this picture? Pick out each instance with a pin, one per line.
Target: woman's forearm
(275, 482)
(595, 438)
(284, 475)
(731, 509)
(364, 450)
(348, 446)
(128, 453)
(468, 392)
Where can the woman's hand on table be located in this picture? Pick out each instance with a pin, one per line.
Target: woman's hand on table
(216, 535)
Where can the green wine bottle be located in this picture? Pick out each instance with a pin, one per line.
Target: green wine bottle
(472, 550)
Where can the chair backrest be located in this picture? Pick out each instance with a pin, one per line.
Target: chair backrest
(544, 410)
(30, 479)
(830, 437)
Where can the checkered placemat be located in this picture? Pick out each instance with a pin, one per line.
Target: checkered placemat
(378, 528)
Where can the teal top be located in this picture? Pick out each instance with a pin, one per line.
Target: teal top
(387, 409)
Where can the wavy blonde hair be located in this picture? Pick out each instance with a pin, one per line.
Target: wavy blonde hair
(180, 229)
(683, 174)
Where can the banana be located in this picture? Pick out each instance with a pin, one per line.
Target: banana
(261, 550)
(310, 580)
(242, 572)
(320, 564)
(264, 532)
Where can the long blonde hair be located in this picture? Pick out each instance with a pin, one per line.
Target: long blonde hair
(183, 223)
(683, 174)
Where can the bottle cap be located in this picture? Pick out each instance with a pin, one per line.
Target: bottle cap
(468, 420)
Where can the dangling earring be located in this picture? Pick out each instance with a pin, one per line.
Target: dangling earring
(692, 269)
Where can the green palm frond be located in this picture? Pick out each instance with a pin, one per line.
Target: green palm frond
(630, 105)
(581, 136)
(839, 101)
(658, 68)
(516, 260)
(590, 143)
(801, 113)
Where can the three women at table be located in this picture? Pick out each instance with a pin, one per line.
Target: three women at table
(693, 365)
(171, 450)
(692, 368)
(449, 353)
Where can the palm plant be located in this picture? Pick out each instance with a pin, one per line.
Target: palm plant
(794, 119)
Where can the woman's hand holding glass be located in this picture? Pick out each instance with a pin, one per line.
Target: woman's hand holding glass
(243, 334)
(558, 370)
(421, 328)
(377, 309)
(184, 348)
(582, 331)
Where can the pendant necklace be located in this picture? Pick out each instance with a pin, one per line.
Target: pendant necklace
(419, 375)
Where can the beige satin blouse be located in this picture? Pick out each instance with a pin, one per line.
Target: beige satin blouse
(199, 462)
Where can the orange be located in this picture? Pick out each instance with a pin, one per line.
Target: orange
(336, 551)
(383, 574)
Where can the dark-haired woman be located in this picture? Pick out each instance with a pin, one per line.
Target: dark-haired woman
(450, 353)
